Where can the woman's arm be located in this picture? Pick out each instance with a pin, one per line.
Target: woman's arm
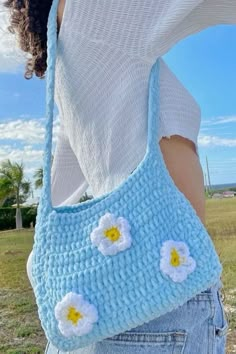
(185, 169)
(60, 11)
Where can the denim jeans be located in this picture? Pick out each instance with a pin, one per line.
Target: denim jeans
(197, 327)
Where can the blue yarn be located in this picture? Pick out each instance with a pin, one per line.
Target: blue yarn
(129, 288)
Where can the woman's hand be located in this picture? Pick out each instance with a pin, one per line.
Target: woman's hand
(185, 169)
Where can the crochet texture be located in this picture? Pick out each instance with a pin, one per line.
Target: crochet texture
(114, 291)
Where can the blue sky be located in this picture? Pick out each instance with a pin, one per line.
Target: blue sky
(204, 62)
(206, 65)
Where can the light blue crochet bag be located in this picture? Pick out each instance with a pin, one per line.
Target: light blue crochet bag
(115, 262)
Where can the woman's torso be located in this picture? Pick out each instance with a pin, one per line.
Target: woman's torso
(105, 53)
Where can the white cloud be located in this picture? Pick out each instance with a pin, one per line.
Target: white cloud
(223, 120)
(16, 94)
(27, 153)
(218, 120)
(25, 141)
(11, 57)
(210, 140)
(32, 159)
(30, 131)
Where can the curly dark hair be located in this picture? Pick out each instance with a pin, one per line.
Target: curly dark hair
(28, 19)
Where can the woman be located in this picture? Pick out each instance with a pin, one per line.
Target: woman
(105, 53)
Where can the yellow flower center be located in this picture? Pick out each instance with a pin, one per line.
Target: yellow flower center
(175, 258)
(73, 315)
(113, 233)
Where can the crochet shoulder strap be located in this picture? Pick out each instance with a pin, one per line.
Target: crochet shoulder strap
(153, 105)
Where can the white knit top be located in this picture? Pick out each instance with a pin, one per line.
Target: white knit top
(106, 49)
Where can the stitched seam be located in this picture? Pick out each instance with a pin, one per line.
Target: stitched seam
(149, 338)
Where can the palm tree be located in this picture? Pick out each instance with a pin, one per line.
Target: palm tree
(85, 197)
(13, 184)
(38, 176)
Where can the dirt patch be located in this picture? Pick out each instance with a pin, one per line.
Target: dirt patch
(13, 253)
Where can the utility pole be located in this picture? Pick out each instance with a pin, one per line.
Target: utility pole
(208, 174)
(206, 185)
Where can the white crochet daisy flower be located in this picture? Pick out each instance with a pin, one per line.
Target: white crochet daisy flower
(176, 261)
(75, 315)
(112, 235)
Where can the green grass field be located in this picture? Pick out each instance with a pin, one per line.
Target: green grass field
(20, 330)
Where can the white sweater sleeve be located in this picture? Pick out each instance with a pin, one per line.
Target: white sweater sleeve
(186, 17)
(68, 181)
(144, 29)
